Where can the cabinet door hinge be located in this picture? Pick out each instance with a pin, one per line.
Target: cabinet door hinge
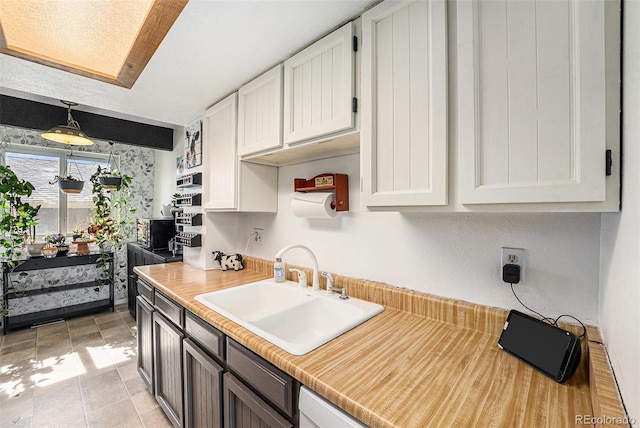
(355, 43)
(354, 105)
(608, 163)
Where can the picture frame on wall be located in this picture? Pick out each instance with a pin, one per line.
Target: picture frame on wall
(193, 144)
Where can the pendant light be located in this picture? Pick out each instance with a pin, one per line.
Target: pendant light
(69, 133)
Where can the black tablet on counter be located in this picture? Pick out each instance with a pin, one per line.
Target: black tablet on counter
(549, 349)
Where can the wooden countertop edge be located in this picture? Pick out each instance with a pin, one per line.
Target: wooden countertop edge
(604, 395)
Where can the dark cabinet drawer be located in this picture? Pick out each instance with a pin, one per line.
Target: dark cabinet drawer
(169, 308)
(145, 290)
(274, 384)
(208, 337)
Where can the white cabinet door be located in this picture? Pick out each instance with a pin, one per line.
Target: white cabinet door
(260, 113)
(404, 104)
(319, 88)
(219, 133)
(228, 183)
(531, 101)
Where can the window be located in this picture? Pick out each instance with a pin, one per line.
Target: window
(39, 165)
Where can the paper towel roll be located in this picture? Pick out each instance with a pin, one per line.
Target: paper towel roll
(313, 204)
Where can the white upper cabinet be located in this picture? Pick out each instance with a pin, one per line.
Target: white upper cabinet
(404, 104)
(219, 133)
(228, 183)
(531, 108)
(260, 113)
(319, 88)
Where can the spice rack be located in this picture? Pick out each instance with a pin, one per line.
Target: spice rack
(189, 180)
(189, 219)
(189, 200)
(189, 239)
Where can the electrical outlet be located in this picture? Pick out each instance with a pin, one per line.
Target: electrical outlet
(257, 235)
(513, 256)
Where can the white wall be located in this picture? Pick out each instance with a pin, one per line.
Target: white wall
(165, 164)
(620, 242)
(454, 254)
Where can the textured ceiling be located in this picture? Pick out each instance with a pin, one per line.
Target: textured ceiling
(214, 47)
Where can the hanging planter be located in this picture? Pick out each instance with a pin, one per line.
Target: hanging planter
(109, 181)
(68, 184)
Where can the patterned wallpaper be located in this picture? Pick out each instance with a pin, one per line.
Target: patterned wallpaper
(137, 162)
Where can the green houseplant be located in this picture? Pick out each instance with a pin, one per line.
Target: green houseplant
(17, 219)
(112, 221)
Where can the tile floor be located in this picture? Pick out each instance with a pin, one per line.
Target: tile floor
(78, 373)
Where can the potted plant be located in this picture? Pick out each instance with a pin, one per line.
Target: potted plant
(110, 179)
(112, 220)
(174, 202)
(17, 219)
(57, 240)
(68, 184)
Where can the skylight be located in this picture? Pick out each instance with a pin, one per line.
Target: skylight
(107, 40)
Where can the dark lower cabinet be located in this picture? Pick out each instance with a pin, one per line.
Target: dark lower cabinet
(202, 386)
(245, 409)
(138, 256)
(203, 379)
(144, 324)
(167, 366)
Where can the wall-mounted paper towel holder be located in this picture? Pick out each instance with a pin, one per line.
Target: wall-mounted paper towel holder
(324, 182)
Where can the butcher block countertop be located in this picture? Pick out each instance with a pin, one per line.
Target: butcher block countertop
(425, 361)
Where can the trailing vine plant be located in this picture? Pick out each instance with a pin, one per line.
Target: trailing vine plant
(112, 221)
(17, 218)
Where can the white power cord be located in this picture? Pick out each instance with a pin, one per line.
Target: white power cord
(253, 235)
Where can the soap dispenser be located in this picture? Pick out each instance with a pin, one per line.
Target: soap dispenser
(278, 270)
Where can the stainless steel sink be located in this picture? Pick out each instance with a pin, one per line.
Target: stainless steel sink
(295, 319)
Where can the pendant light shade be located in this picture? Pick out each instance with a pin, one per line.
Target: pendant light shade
(69, 133)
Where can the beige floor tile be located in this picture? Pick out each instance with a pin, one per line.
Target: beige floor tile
(19, 336)
(106, 317)
(15, 411)
(129, 370)
(17, 346)
(135, 385)
(155, 419)
(118, 322)
(87, 340)
(83, 329)
(52, 338)
(18, 355)
(79, 322)
(53, 349)
(48, 330)
(120, 414)
(68, 417)
(93, 362)
(117, 331)
(144, 402)
(102, 390)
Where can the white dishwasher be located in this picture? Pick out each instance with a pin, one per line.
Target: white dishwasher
(316, 412)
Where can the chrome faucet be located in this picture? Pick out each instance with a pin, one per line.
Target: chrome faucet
(315, 281)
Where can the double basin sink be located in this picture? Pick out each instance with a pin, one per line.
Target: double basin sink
(296, 319)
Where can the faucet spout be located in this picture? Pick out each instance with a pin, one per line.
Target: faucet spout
(315, 280)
